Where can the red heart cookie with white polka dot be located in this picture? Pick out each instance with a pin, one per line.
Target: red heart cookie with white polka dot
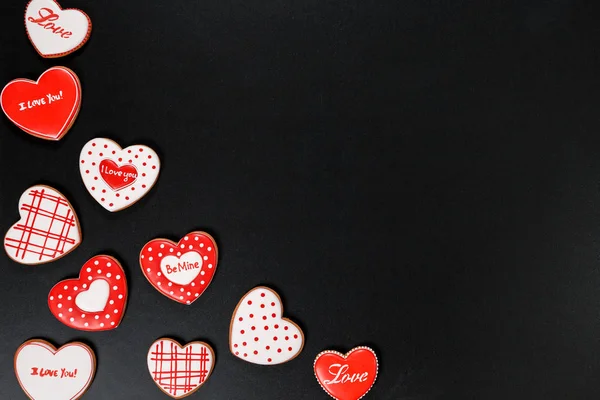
(117, 177)
(181, 271)
(258, 332)
(46, 108)
(347, 376)
(95, 301)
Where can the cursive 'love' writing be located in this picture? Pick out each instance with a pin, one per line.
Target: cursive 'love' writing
(46, 16)
(341, 375)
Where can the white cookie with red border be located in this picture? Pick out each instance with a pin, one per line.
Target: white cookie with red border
(115, 177)
(46, 373)
(258, 332)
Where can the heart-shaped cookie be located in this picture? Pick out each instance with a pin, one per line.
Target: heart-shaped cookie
(259, 334)
(55, 32)
(48, 228)
(181, 271)
(180, 370)
(95, 301)
(47, 108)
(117, 177)
(45, 373)
(346, 376)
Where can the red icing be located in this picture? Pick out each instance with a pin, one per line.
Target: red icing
(117, 177)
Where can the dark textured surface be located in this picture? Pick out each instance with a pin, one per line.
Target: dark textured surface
(419, 176)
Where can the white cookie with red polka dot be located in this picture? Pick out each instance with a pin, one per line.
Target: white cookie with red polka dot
(116, 177)
(259, 334)
(96, 300)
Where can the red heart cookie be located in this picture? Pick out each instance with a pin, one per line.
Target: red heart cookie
(96, 300)
(46, 108)
(117, 177)
(181, 271)
(346, 376)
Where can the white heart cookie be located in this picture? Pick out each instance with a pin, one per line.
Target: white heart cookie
(45, 373)
(48, 228)
(258, 332)
(117, 177)
(180, 370)
(55, 32)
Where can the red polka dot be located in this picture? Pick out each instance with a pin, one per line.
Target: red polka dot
(251, 315)
(273, 304)
(276, 326)
(255, 352)
(154, 167)
(295, 336)
(95, 178)
(136, 156)
(149, 157)
(242, 331)
(235, 345)
(130, 161)
(129, 151)
(120, 159)
(256, 339)
(144, 174)
(289, 349)
(269, 360)
(113, 152)
(89, 153)
(143, 186)
(262, 295)
(287, 338)
(93, 188)
(87, 171)
(264, 317)
(141, 149)
(93, 163)
(93, 144)
(241, 319)
(273, 315)
(132, 188)
(268, 347)
(285, 328)
(245, 354)
(243, 344)
(262, 306)
(105, 146)
(275, 338)
(126, 197)
(101, 154)
(279, 350)
(253, 328)
(237, 353)
(266, 328)
(103, 190)
(110, 205)
(250, 303)
(102, 199)
(117, 195)
(83, 161)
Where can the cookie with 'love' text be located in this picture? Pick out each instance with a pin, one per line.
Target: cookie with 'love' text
(115, 177)
(258, 332)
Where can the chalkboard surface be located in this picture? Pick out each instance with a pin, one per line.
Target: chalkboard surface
(417, 176)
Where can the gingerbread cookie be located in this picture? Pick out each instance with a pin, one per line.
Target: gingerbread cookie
(55, 32)
(258, 332)
(47, 108)
(45, 373)
(48, 228)
(347, 376)
(180, 370)
(116, 178)
(95, 301)
(181, 271)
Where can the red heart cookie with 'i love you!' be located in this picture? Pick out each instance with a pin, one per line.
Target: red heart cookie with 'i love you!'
(346, 376)
(181, 271)
(95, 301)
(46, 108)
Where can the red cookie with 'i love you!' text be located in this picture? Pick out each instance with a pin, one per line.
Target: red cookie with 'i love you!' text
(346, 376)
(96, 300)
(47, 108)
(181, 271)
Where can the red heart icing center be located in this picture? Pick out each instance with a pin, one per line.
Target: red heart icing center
(117, 177)
(347, 377)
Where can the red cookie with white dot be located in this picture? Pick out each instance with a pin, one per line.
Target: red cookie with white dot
(258, 332)
(181, 271)
(115, 177)
(95, 301)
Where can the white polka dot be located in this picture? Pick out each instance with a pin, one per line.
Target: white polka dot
(187, 302)
(158, 283)
(205, 258)
(118, 277)
(180, 297)
(196, 238)
(60, 315)
(159, 254)
(97, 317)
(189, 293)
(182, 246)
(60, 296)
(112, 323)
(186, 238)
(108, 264)
(120, 296)
(86, 324)
(116, 311)
(170, 284)
(75, 288)
(115, 287)
(107, 316)
(170, 292)
(69, 298)
(111, 302)
(89, 278)
(51, 298)
(89, 270)
(149, 248)
(96, 262)
(171, 250)
(142, 256)
(70, 310)
(99, 271)
(202, 282)
(59, 305)
(84, 285)
(181, 290)
(150, 258)
(191, 247)
(158, 273)
(66, 287)
(209, 248)
(108, 275)
(209, 266)
(193, 283)
(202, 272)
(101, 324)
(197, 294)
(82, 315)
(71, 319)
(178, 254)
(148, 269)
(162, 246)
(201, 244)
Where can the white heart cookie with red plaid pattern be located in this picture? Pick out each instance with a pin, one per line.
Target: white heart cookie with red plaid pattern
(258, 332)
(48, 228)
(117, 177)
(180, 370)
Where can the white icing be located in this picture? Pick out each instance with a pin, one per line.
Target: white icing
(182, 270)
(252, 315)
(24, 245)
(57, 384)
(43, 36)
(115, 200)
(94, 299)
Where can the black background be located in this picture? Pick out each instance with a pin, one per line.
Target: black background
(418, 176)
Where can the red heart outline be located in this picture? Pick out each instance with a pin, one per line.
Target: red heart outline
(50, 121)
(61, 298)
(152, 254)
(80, 45)
(359, 360)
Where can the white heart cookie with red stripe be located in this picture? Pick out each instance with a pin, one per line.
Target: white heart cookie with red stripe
(117, 177)
(181, 271)
(48, 228)
(259, 334)
(55, 32)
(180, 370)
(96, 300)
(45, 373)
